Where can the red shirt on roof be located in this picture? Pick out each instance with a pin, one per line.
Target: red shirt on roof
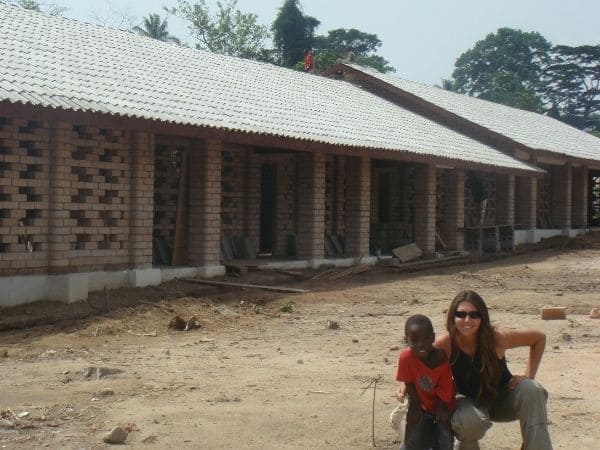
(431, 385)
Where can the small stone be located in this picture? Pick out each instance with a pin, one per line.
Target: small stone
(555, 347)
(299, 362)
(116, 436)
(3, 353)
(333, 325)
(595, 313)
(355, 341)
(6, 424)
(394, 348)
(106, 392)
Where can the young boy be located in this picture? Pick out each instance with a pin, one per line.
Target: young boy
(425, 371)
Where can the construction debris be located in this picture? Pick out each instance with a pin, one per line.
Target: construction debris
(595, 313)
(336, 274)
(407, 252)
(178, 323)
(554, 313)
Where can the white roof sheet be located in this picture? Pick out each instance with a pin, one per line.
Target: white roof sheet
(62, 63)
(531, 129)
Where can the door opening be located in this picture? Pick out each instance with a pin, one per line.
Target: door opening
(268, 201)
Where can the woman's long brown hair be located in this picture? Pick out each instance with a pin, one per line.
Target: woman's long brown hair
(485, 353)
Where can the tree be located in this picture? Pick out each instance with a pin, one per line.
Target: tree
(352, 45)
(229, 32)
(155, 28)
(505, 67)
(572, 85)
(33, 5)
(293, 32)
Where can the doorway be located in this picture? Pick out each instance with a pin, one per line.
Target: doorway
(268, 210)
(594, 199)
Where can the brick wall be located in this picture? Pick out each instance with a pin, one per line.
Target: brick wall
(561, 201)
(66, 202)
(526, 202)
(168, 155)
(425, 199)
(205, 203)
(505, 199)
(358, 206)
(24, 171)
(454, 210)
(311, 205)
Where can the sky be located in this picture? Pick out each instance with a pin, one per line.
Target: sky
(421, 38)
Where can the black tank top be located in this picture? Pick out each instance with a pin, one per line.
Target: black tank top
(466, 371)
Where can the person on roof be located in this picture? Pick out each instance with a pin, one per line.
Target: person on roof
(309, 61)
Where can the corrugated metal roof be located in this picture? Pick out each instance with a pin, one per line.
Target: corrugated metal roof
(58, 62)
(531, 129)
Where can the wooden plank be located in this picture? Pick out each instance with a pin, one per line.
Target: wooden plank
(407, 252)
(244, 285)
(180, 240)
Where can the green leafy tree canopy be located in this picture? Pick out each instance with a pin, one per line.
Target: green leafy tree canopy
(228, 32)
(505, 67)
(293, 32)
(350, 44)
(33, 5)
(572, 85)
(155, 28)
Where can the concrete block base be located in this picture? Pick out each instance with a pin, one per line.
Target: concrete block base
(68, 288)
(211, 271)
(144, 277)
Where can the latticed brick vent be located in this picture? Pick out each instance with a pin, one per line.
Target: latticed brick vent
(99, 192)
(23, 198)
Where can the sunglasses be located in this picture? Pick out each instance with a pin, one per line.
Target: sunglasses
(464, 314)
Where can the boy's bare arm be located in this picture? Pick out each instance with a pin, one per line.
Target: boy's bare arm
(414, 413)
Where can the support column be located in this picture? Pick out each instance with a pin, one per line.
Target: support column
(59, 229)
(425, 198)
(561, 200)
(142, 192)
(580, 197)
(358, 206)
(251, 196)
(205, 206)
(455, 211)
(311, 205)
(526, 202)
(505, 199)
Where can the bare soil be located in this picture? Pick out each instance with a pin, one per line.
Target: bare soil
(255, 377)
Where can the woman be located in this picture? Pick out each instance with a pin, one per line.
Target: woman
(487, 390)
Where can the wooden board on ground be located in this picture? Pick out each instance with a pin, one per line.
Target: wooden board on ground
(244, 285)
(407, 252)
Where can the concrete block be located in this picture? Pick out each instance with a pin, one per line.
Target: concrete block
(144, 277)
(211, 271)
(408, 252)
(6, 292)
(68, 288)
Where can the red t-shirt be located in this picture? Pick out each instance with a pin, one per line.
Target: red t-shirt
(430, 384)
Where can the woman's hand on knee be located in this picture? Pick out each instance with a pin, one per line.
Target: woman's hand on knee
(515, 380)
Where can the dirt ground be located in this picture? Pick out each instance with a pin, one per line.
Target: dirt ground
(255, 377)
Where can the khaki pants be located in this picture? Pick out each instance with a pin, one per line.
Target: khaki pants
(526, 403)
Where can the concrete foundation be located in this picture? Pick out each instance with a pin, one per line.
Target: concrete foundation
(70, 288)
(535, 236)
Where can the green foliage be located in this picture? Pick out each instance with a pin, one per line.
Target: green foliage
(33, 5)
(288, 307)
(572, 85)
(293, 32)
(349, 44)
(155, 28)
(229, 32)
(505, 67)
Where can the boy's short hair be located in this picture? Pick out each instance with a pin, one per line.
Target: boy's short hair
(420, 320)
